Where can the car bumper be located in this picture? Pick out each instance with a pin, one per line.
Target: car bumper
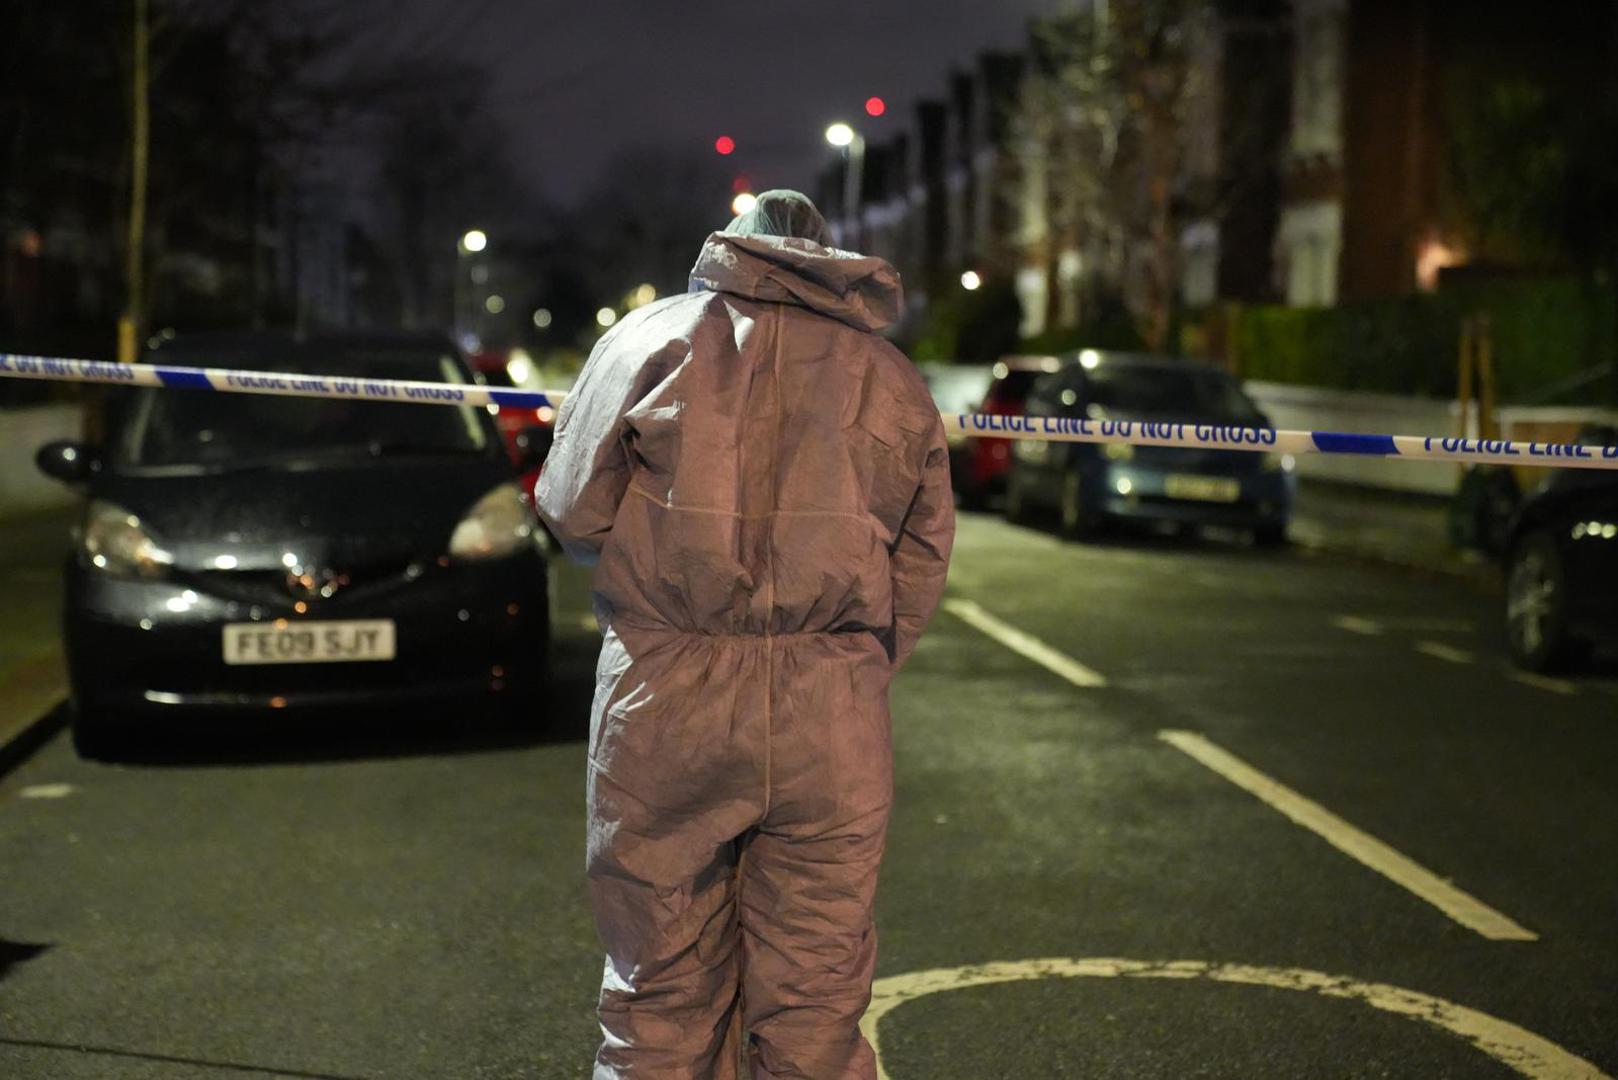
(461, 632)
(1260, 499)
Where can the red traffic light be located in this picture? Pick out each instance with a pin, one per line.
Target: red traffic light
(875, 106)
(724, 144)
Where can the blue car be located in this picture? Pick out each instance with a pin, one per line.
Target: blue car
(1092, 486)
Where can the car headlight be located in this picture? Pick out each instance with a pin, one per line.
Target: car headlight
(498, 524)
(1279, 462)
(117, 542)
(1117, 451)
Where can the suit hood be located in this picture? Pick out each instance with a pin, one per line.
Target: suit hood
(860, 290)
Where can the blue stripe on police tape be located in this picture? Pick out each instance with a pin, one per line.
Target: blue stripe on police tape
(184, 378)
(520, 399)
(1338, 442)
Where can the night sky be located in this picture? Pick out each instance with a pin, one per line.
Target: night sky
(576, 81)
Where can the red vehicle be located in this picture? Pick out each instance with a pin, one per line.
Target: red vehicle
(519, 427)
(989, 460)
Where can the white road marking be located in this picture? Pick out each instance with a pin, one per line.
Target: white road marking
(46, 791)
(1465, 909)
(1024, 644)
(1439, 651)
(1515, 1047)
(1543, 682)
(1354, 624)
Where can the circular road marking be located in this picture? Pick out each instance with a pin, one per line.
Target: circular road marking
(1515, 1047)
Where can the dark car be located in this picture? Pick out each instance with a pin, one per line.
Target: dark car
(1091, 485)
(987, 461)
(1561, 566)
(243, 552)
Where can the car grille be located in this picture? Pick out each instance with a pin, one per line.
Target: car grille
(270, 587)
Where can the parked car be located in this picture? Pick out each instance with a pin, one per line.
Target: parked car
(987, 461)
(243, 552)
(958, 388)
(1091, 485)
(527, 432)
(1561, 566)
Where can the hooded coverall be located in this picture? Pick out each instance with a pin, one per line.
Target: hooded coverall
(764, 486)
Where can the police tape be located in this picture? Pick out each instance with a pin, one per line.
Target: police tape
(1185, 435)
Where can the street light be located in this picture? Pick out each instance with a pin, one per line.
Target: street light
(474, 241)
(542, 318)
(743, 202)
(971, 281)
(852, 144)
(605, 317)
(471, 242)
(840, 134)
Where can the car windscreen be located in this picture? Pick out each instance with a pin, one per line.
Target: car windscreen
(173, 427)
(1014, 385)
(958, 390)
(1156, 391)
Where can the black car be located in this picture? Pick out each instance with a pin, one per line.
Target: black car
(243, 552)
(1561, 566)
(1091, 485)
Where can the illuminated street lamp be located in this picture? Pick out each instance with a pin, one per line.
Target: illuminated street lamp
(605, 317)
(474, 241)
(542, 318)
(743, 202)
(852, 144)
(971, 281)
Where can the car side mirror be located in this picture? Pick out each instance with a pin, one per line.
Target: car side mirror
(65, 460)
(534, 445)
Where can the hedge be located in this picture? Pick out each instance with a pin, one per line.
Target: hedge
(1544, 332)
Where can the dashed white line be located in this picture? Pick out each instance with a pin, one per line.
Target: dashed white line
(1354, 624)
(1439, 651)
(46, 791)
(1025, 644)
(1543, 682)
(1361, 846)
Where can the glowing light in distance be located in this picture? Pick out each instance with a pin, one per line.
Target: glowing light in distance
(875, 106)
(1090, 359)
(606, 317)
(542, 317)
(644, 294)
(1124, 485)
(971, 281)
(495, 304)
(475, 240)
(742, 203)
(224, 562)
(725, 145)
(520, 367)
(840, 134)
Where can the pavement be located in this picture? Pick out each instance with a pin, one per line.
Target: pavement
(32, 677)
(1414, 876)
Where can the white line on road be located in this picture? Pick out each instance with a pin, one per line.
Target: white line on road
(1515, 1047)
(1543, 682)
(1439, 651)
(1356, 844)
(1356, 625)
(46, 791)
(1024, 644)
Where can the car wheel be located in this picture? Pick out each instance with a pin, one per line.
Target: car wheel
(1017, 508)
(1272, 534)
(96, 737)
(1536, 604)
(1077, 523)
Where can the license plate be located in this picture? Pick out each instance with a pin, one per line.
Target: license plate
(309, 642)
(1220, 489)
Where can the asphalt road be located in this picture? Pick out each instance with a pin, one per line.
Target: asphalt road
(407, 900)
